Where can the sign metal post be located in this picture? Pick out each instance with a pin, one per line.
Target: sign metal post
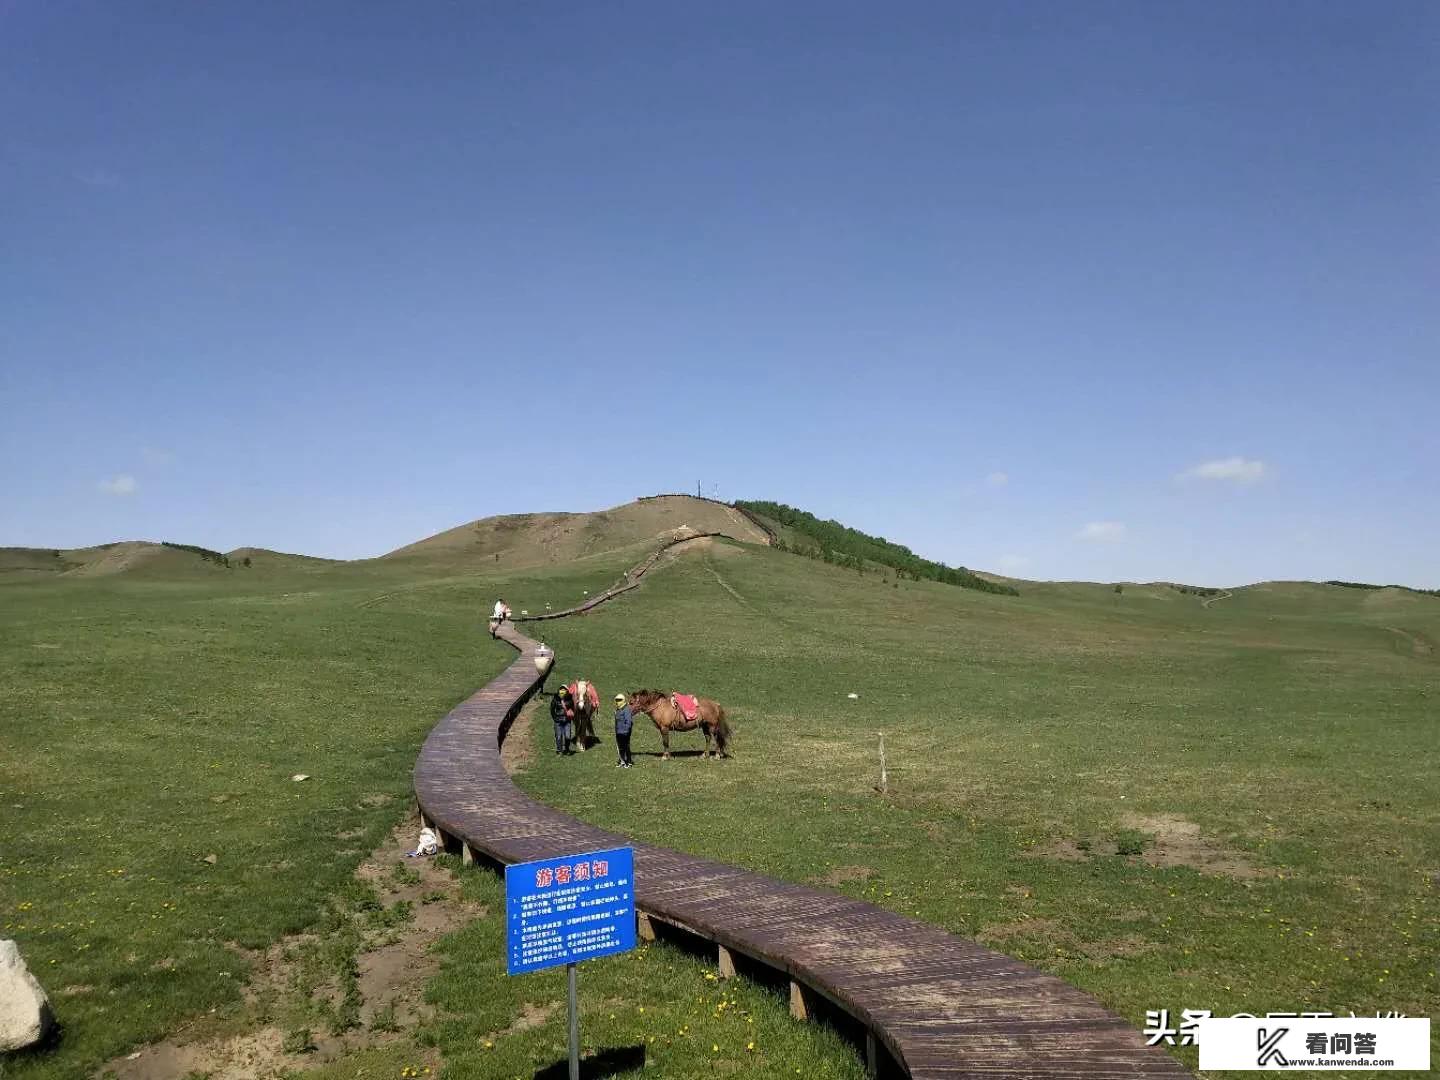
(574, 1024)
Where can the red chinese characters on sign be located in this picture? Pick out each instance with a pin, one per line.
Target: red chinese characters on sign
(563, 875)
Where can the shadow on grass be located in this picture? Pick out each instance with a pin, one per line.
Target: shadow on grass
(611, 1061)
(673, 753)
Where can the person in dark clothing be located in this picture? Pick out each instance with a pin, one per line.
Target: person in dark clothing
(562, 712)
(624, 721)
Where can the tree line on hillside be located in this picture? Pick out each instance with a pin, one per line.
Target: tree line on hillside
(1367, 585)
(218, 558)
(843, 546)
(1196, 590)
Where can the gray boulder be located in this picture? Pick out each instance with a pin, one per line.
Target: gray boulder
(25, 1015)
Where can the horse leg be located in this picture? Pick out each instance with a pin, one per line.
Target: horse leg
(665, 740)
(580, 725)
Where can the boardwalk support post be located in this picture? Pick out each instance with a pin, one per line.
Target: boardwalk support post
(644, 928)
(799, 1001)
(872, 1056)
(727, 963)
(467, 854)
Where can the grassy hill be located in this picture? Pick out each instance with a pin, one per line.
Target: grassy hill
(137, 557)
(1171, 804)
(547, 539)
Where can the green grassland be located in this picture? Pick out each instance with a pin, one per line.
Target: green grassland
(148, 723)
(1273, 752)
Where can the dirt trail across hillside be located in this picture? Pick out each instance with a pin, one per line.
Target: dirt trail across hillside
(726, 586)
(1211, 599)
(1419, 645)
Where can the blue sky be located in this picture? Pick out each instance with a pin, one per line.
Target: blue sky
(1102, 290)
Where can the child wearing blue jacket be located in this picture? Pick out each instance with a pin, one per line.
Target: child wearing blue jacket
(624, 721)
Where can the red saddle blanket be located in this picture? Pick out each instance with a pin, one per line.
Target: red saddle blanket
(592, 695)
(688, 704)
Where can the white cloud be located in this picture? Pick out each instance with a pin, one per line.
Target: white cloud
(1237, 470)
(123, 484)
(997, 479)
(1009, 563)
(1102, 532)
(152, 456)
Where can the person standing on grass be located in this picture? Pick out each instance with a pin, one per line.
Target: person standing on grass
(562, 714)
(498, 616)
(624, 721)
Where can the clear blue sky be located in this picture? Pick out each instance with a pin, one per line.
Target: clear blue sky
(1117, 291)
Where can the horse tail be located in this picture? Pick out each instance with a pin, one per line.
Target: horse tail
(722, 731)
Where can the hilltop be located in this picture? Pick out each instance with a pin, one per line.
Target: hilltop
(515, 540)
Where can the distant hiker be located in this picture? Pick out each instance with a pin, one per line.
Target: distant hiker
(624, 721)
(498, 616)
(562, 712)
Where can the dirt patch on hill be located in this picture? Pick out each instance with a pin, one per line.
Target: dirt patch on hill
(840, 875)
(406, 907)
(1178, 842)
(1062, 850)
(1037, 927)
(1170, 840)
(1052, 935)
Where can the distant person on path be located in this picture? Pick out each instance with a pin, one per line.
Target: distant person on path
(498, 616)
(562, 712)
(624, 721)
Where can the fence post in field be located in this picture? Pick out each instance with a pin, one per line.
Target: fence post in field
(884, 776)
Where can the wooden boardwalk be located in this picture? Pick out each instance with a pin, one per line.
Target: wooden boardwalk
(926, 1004)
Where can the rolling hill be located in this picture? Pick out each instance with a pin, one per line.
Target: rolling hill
(131, 557)
(527, 540)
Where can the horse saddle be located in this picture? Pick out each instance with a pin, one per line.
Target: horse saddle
(688, 704)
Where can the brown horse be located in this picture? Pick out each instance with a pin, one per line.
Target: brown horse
(586, 705)
(661, 708)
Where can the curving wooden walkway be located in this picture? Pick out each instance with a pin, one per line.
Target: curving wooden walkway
(931, 1006)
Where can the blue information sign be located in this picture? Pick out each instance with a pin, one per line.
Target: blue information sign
(561, 911)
